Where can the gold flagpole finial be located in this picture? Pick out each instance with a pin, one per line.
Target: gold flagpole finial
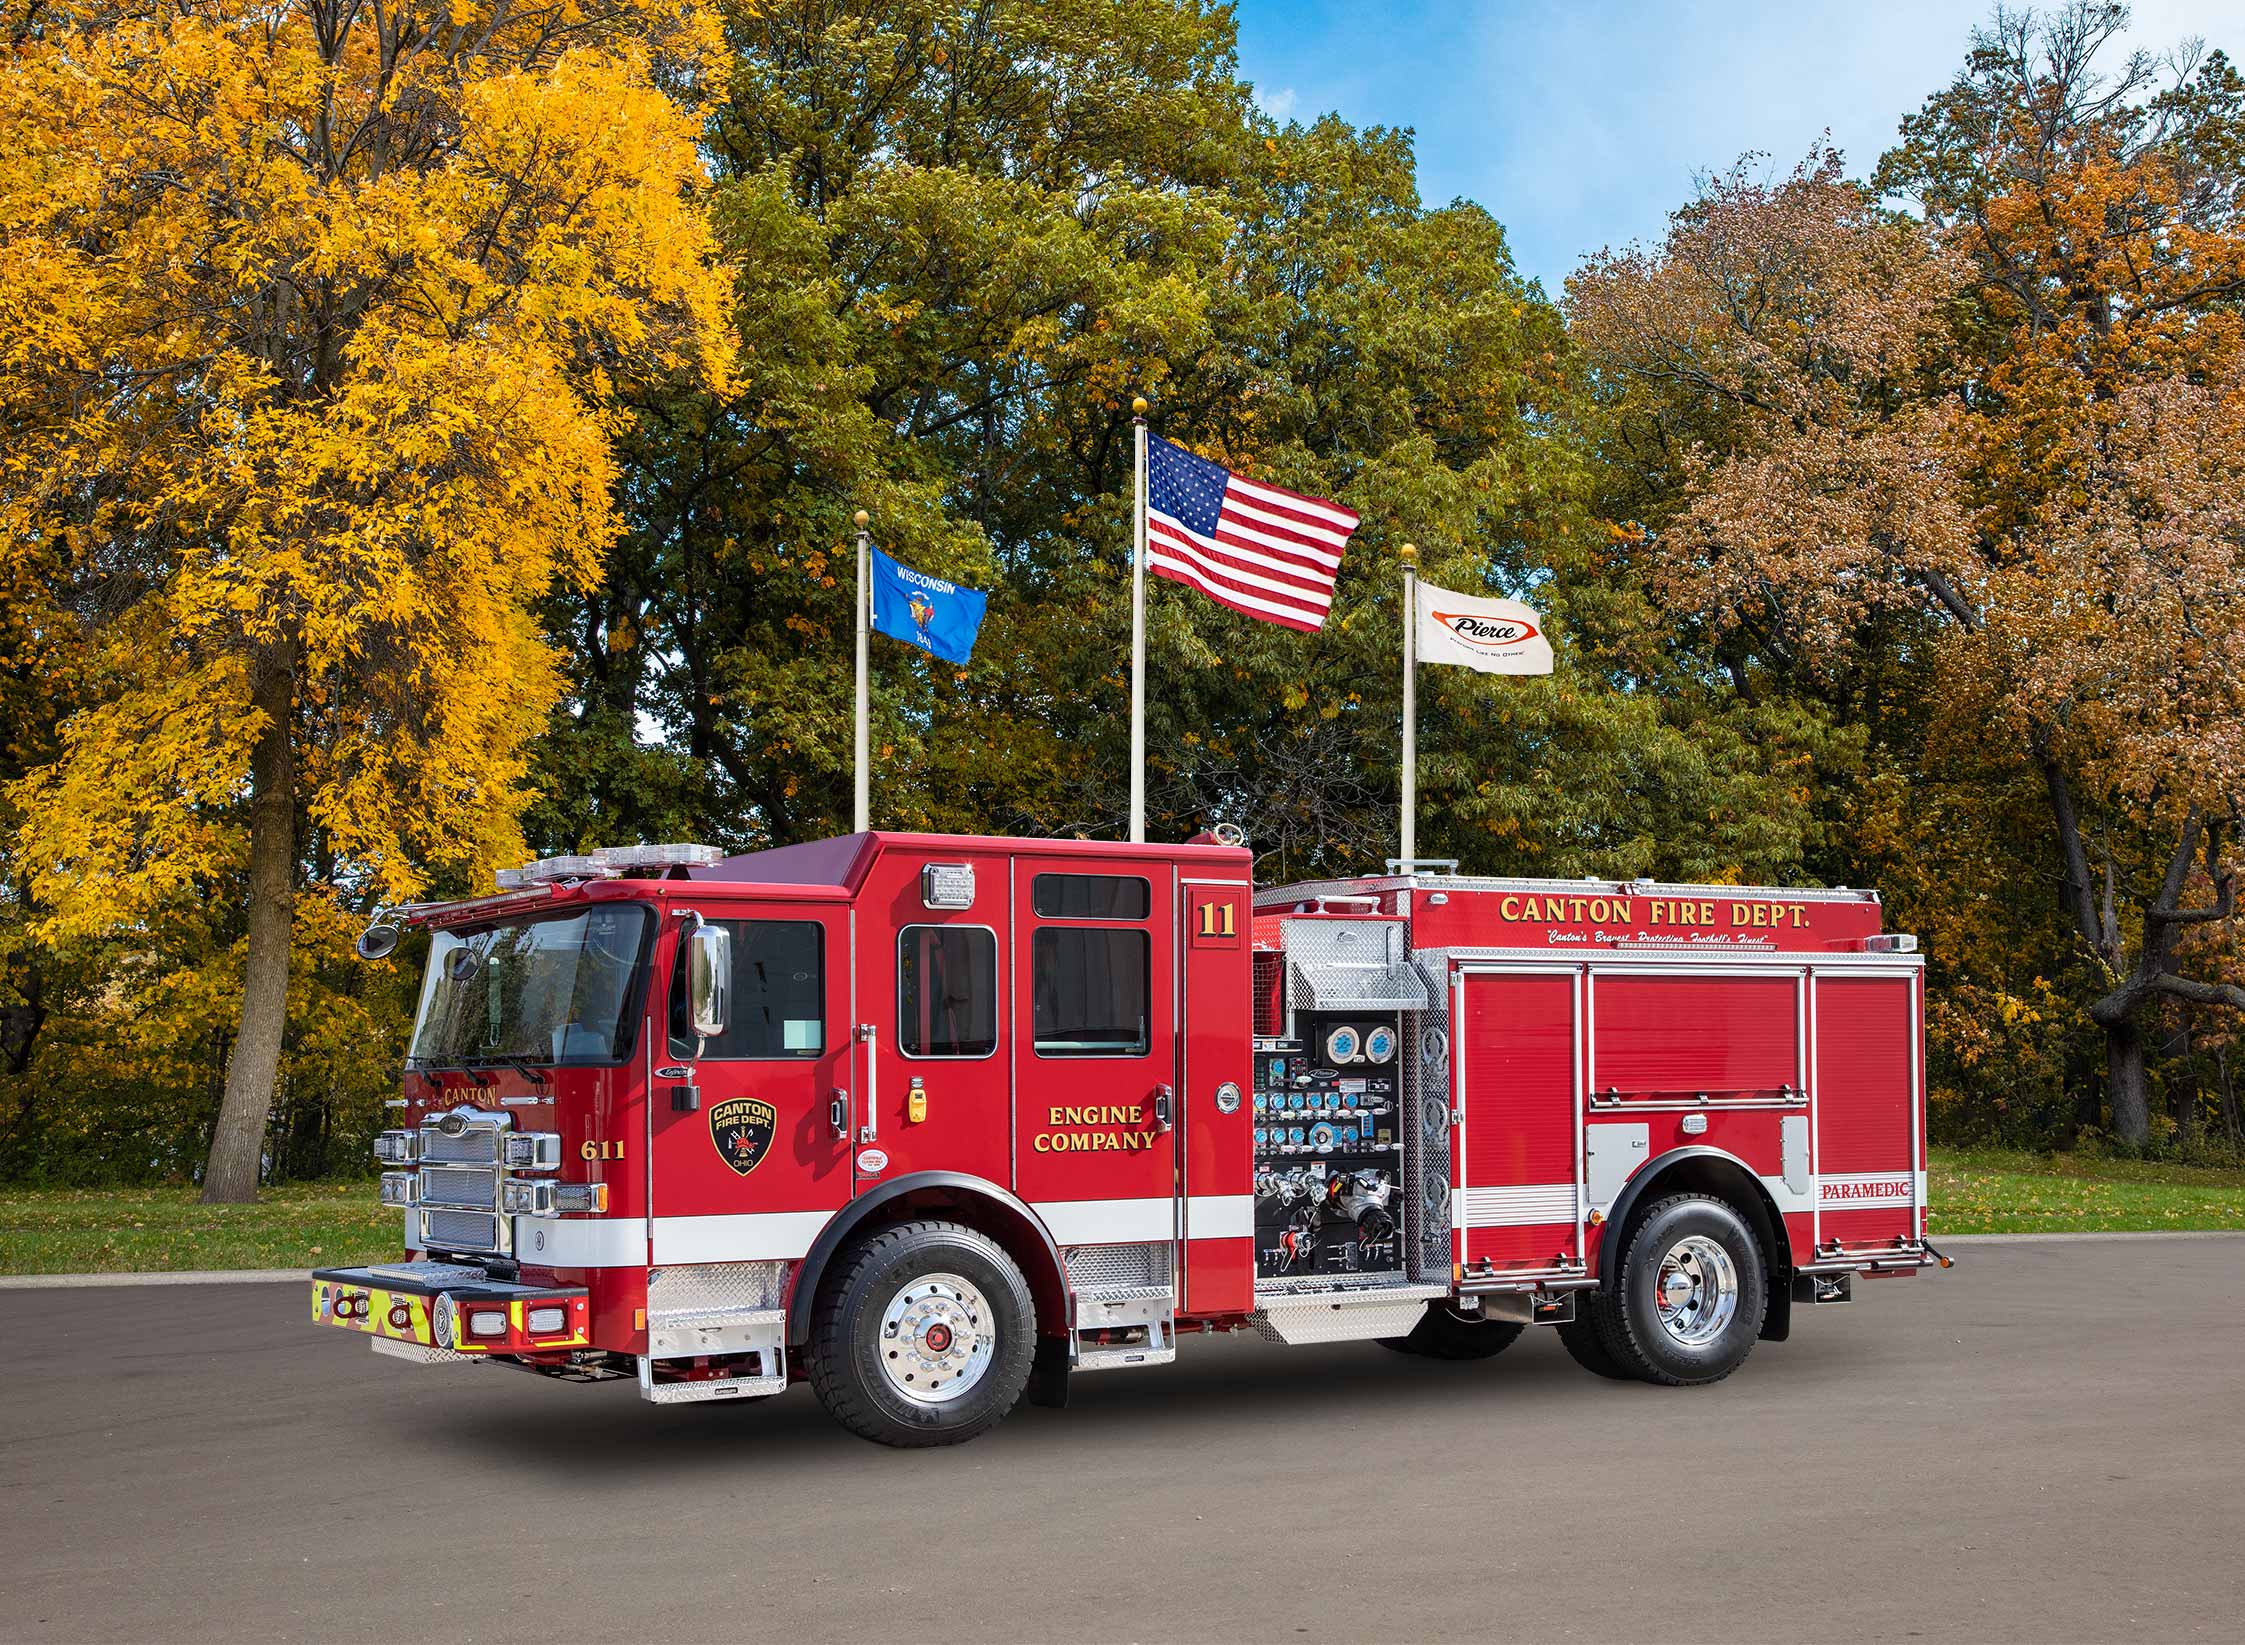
(862, 519)
(1138, 405)
(1408, 553)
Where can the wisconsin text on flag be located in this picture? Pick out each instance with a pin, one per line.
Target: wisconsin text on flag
(1257, 548)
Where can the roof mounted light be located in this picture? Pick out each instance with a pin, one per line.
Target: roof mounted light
(1891, 942)
(609, 862)
(676, 854)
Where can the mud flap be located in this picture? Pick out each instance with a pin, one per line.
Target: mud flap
(1048, 1374)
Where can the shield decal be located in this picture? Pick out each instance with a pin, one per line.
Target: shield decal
(742, 1129)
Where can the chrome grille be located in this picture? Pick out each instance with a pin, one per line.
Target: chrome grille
(478, 1145)
(460, 1230)
(467, 1188)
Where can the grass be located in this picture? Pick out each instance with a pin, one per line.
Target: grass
(317, 1225)
(1989, 1191)
(143, 1230)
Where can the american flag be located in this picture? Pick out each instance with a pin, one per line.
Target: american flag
(1257, 548)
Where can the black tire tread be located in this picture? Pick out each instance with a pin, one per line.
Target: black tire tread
(1586, 1347)
(844, 1400)
(1440, 1336)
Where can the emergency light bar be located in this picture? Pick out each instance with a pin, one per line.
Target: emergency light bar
(609, 862)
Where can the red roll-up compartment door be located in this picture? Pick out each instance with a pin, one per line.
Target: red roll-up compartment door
(1671, 1038)
(1867, 1164)
(1517, 1059)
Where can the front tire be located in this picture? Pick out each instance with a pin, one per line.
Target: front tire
(1444, 1333)
(925, 1335)
(1689, 1298)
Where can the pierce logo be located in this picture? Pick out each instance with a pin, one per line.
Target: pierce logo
(1486, 633)
(742, 1129)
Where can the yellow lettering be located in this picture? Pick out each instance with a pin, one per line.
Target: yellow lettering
(1509, 909)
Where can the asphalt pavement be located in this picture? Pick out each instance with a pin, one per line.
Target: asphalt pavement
(2045, 1444)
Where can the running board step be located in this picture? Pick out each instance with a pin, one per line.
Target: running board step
(1122, 1359)
(748, 1346)
(1343, 1316)
(1117, 1326)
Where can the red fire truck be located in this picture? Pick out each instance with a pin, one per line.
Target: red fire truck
(937, 1121)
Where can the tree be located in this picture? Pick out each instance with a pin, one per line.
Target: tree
(966, 234)
(1995, 452)
(317, 318)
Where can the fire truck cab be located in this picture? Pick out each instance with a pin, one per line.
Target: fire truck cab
(938, 1121)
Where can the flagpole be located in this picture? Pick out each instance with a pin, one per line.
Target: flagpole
(1138, 629)
(1410, 557)
(864, 807)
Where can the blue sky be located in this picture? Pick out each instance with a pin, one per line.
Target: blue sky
(1581, 126)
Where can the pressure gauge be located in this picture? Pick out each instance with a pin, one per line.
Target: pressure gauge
(1379, 1045)
(1343, 1044)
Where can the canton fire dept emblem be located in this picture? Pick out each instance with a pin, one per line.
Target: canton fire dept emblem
(742, 1129)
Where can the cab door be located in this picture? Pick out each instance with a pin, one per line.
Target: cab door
(1095, 996)
(935, 1058)
(748, 1158)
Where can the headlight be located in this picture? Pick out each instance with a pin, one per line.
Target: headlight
(397, 1147)
(397, 1188)
(534, 1151)
(527, 1199)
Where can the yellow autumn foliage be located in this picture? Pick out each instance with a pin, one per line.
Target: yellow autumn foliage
(313, 319)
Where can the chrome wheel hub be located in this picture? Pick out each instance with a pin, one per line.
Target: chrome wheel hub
(1696, 1293)
(937, 1339)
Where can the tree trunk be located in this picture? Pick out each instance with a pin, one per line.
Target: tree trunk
(230, 1177)
(2124, 1082)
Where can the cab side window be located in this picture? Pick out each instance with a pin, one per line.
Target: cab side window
(946, 991)
(779, 994)
(1091, 989)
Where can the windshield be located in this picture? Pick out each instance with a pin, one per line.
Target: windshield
(554, 990)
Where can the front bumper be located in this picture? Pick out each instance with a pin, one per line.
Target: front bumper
(451, 1306)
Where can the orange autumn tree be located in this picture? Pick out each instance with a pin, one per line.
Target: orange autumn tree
(1999, 450)
(314, 320)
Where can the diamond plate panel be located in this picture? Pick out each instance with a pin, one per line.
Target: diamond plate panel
(710, 1285)
(1106, 1267)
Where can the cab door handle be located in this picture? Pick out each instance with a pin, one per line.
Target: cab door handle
(1162, 1098)
(838, 1113)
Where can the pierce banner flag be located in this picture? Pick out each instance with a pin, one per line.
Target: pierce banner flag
(1469, 631)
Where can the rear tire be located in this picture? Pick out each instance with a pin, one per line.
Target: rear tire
(923, 1336)
(1688, 1300)
(1444, 1333)
(1580, 1337)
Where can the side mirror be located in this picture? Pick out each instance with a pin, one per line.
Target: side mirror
(378, 942)
(709, 979)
